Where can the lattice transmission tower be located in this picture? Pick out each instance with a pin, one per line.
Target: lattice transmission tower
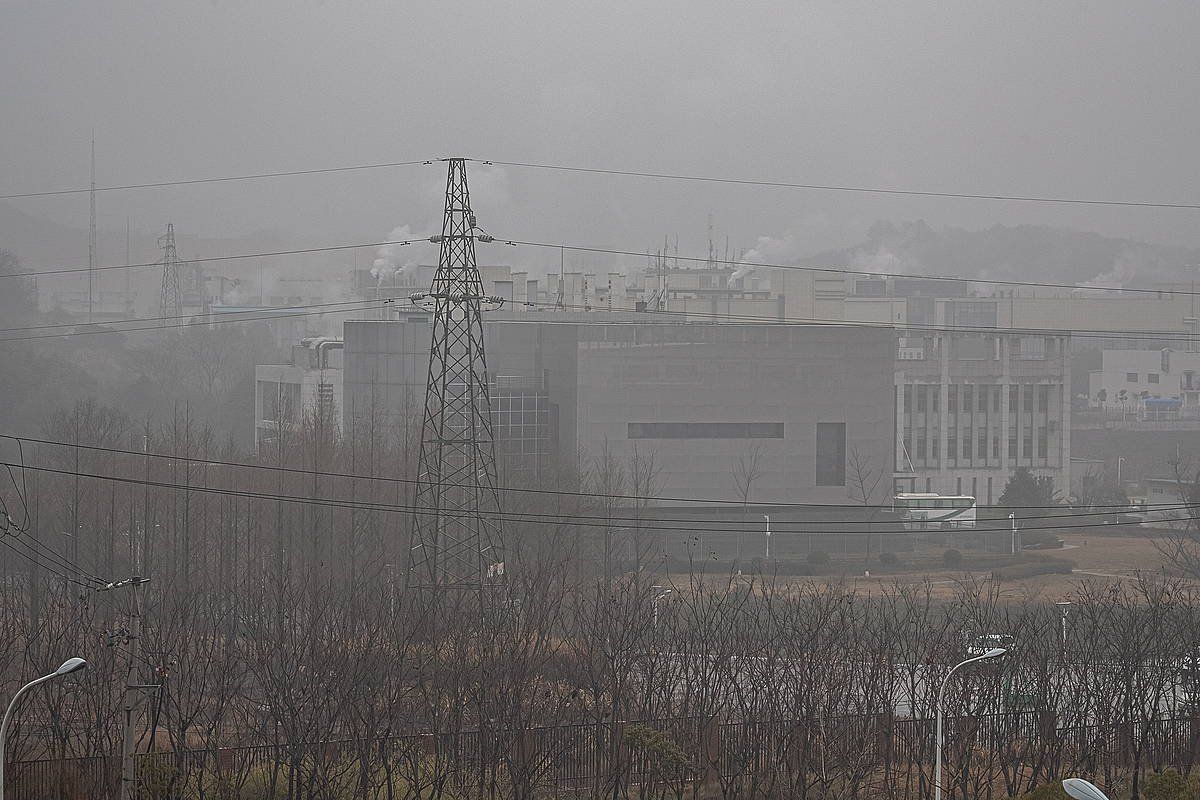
(456, 532)
(170, 304)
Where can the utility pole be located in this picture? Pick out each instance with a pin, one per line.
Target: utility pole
(456, 533)
(135, 693)
(171, 298)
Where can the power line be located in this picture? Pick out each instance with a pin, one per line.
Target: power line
(849, 271)
(690, 178)
(210, 321)
(218, 179)
(514, 489)
(649, 525)
(837, 187)
(210, 259)
(231, 317)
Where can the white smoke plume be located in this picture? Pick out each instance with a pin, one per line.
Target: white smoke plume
(390, 258)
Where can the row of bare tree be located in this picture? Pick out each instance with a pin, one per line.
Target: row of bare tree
(289, 653)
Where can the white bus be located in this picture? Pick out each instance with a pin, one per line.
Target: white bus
(930, 512)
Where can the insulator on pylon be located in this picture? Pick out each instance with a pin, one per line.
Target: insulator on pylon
(436, 238)
(486, 238)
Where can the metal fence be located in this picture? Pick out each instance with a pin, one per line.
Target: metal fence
(610, 758)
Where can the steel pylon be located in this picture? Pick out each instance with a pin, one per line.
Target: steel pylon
(456, 532)
(171, 297)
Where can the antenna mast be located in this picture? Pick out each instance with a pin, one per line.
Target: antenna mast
(92, 235)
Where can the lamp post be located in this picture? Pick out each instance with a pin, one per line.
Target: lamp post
(767, 517)
(1120, 461)
(1064, 606)
(1080, 789)
(1012, 519)
(68, 666)
(995, 652)
(654, 602)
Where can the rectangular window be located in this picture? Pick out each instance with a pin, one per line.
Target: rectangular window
(1043, 398)
(983, 396)
(934, 447)
(968, 398)
(966, 445)
(936, 391)
(1028, 405)
(952, 399)
(921, 401)
(983, 444)
(919, 454)
(1012, 446)
(1032, 348)
(952, 444)
(908, 398)
(996, 399)
(1043, 443)
(1152, 377)
(1013, 395)
(1027, 442)
(705, 430)
(1131, 377)
(831, 454)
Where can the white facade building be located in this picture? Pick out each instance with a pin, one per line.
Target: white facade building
(284, 394)
(1151, 384)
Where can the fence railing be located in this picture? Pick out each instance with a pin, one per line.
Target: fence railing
(608, 758)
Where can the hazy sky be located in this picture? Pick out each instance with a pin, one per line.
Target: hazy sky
(1084, 99)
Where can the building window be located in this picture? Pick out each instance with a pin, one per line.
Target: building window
(952, 399)
(1152, 377)
(996, 399)
(934, 447)
(1131, 377)
(968, 398)
(1032, 348)
(952, 444)
(966, 446)
(919, 453)
(831, 453)
(908, 398)
(1027, 445)
(983, 393)
(921, 401)
(1043, 398)
(1043, 443)
(1013, 396)
(1028, 405)
(705, 430)
(983, 444)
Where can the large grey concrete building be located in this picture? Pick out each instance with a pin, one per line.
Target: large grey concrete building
(807, 405)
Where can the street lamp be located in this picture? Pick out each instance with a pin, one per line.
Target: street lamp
(767, 517)
(995, 652)
(1064, 606)
(654, 603)
(1120, 461)
(1080, 789)
(1012, 518)
(68, 666)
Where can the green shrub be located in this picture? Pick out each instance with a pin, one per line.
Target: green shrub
(1040, 540)
(889, 559)
(1047, 791)
(818, 558)
(1028, 569)
(1166, 785)
(952, 558)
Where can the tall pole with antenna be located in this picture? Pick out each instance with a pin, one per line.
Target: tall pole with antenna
(456, 534)
(92, 235)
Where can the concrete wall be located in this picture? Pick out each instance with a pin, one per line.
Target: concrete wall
(794, 375)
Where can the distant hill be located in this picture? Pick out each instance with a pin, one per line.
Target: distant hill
(1023, 252)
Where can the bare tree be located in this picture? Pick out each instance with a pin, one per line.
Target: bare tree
(745, 472)
(862, 482)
